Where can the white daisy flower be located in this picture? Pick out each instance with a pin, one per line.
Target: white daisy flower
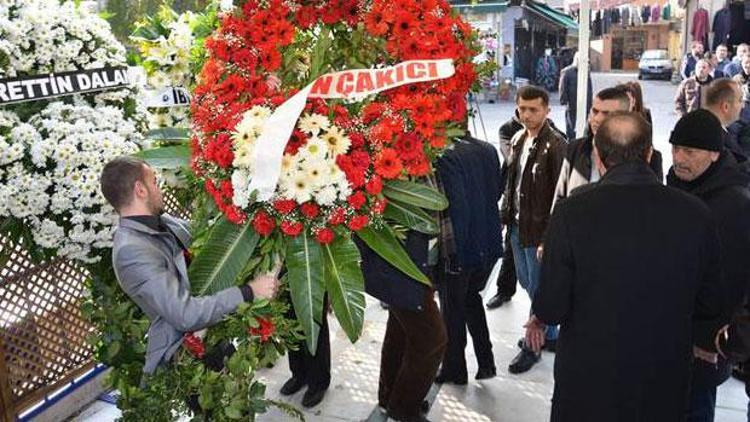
(314, 123)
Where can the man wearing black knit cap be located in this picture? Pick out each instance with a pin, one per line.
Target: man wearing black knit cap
(706, 169)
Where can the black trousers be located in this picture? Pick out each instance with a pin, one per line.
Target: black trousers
(506, 278)
(462, 307)
(413, 346)
(314, 370)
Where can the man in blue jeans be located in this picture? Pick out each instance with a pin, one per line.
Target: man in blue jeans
(537, 153)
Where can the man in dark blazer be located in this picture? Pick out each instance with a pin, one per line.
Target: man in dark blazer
(631, 273)
(148, 257)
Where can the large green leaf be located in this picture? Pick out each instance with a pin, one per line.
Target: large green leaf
(412, 217)
(222, 257)
(305, 273)
(171, 157)
(415, 194)
(385, 244)
(168, 134)
(345, 285)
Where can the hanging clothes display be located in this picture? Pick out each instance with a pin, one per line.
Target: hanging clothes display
(666, 13)
(615, 16)
(637, 17)
(700, 27)
(739, 31)
(607, 21)
(546, 73)
(626, 16)
(646, 13)
(655, 13)
(722, 25)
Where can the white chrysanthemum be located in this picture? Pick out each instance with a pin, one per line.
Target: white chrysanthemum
(259, 112)
(314, 150)
(338, 142)
(247, 130)
(316, 172)
(288, 163)
(240, 184)
(314, 123)
(297, 187)
(326, 196)
(243, 156)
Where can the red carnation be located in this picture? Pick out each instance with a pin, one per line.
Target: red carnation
(284, 206)
(357, 200)
(292, 228)
(359, 222)
(338, 216)
(388, 164)
(234, 214)
(358, 140)
(194, 345)
(310, 209)
(374, 186)
(264, 330)
(325, 236)
(379, 206)
(263, 223)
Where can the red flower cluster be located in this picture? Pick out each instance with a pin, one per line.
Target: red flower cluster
(194, 345)
(396, 135)
(264, 330)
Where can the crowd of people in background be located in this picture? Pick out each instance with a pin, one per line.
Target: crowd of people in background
(639, 286)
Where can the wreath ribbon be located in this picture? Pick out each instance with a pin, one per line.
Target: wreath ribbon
(354, 85)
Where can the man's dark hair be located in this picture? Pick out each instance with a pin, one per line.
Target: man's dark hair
(118, 180)
(618, 93)
(623, 137)
(722, 90)
(532, 92)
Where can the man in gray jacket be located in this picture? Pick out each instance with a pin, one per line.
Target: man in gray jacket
(148, 257)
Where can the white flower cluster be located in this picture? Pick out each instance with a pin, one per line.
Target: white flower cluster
(167, 62)
(310, 174)
(49, 174)
(42, 36)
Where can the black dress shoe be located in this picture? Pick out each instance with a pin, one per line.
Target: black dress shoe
(313, 396)
(497, 301)
(291, 386)
(444, 377)
(485, 373)
(524, 360)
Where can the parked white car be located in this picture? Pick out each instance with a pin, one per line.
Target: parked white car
(655, 63)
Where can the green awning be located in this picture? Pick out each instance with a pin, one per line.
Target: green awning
(555, 16)
(487, 6)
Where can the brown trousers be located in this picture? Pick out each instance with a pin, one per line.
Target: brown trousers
(413, 347)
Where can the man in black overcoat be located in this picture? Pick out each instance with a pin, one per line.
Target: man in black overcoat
(631, 273)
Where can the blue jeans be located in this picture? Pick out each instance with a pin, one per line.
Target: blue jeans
(527, 270)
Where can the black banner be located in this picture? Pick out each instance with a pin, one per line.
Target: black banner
(32, 88)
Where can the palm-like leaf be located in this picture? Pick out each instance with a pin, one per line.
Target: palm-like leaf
(345, 285)
(415, 194)
(171, 157)
(412, 217)
(222, 257)
(305, 273)
(385, 244)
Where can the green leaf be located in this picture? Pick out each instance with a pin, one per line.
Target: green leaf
(168, 134)
(113, 349)
(345, 285)
(385, 244)
(305, 266)
(171, 157)
(222, 257)
(412, 217)
(415, 194)
(455, 133)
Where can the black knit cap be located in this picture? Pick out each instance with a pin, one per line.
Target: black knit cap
(699, 129)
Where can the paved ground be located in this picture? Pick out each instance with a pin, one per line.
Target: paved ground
(506, 398)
